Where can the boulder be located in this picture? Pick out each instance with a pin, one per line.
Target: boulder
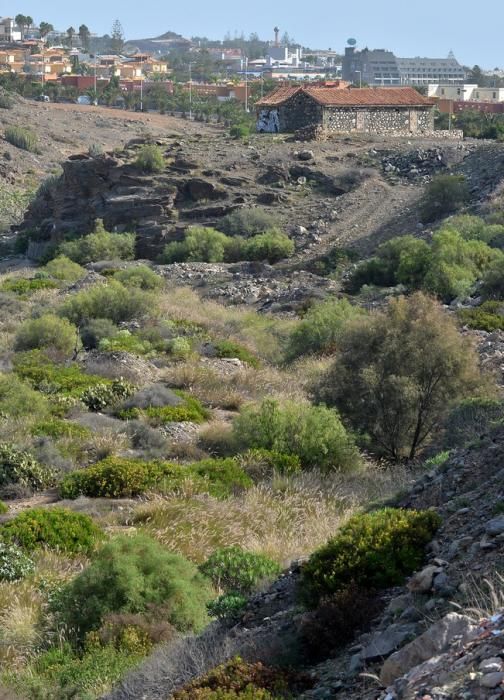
(422, 581)
(433, 642)
(383, 643)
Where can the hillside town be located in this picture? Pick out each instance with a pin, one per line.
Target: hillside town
(170, 72)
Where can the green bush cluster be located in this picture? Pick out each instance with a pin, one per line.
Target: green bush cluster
(18, 399)
(14, 564)
(448, 267)
(150, 159)
(20, 467)
(240, 680)
(55, 528)
(373, 550)
(487, 317)
(120, 477)
(48, 332)
(228, 606)
(99, 245)
(22, 138)
(65, 270)
(56, 428)
(209, 245)
(135, 575)
(191, 410)
(247, 222)
(493, 280)
(6, 101)
(318, 331)
(260, 463)
(228, 348)
(24, 287)
(112, 301)
(234, 570)
(125, 341)
(140, 276)
(105, 394)
(444, 195)
(314, 433)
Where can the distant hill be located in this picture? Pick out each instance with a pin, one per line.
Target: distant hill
(158, 45)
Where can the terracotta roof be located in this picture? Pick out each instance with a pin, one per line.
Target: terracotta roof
(354, 97)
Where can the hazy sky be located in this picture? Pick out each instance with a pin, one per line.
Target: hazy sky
(430, 28)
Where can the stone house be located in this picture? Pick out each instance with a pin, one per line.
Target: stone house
(396, 111)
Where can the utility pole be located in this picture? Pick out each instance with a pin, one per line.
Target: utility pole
(190, 92)
(246, 84)
(141, 89)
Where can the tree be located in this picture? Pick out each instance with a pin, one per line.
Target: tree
(84, 36)
(397, 373)
(117, 38)
(23, 22)
(70, 34)
(443, 195)
(45, 28)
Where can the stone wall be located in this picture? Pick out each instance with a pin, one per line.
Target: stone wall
(298, 112)
(403, 120)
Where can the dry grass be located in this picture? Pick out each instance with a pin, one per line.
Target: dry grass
(263, 335)
(484, 597)
(21, 613)
(286, 519)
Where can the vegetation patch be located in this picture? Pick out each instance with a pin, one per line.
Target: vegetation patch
(487, 317)
(373, 551)
(22, 138)
(55, 528)
(20, 467)
(25, 287)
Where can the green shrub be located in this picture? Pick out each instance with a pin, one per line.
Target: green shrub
(234, 570)
(319, 330)
(56, 428)
(26, 287)
(471, 419)
(220, 478)
(55, 528)
(48, 332)
(314, 433)
(373, 550)
(493, 280)
(248, 222)
(96, 330)
(51, 378)
(3, 508)
(260, 463)
(119, 477)
(201, 244)
(20, 467)
(239, 680)
(438, 460)
(227, 606)
(112, 301)
(239, 131)
(228, 348)
(64, 269)
(443, 195)
(150, 159)
(100, 245)
(21, 138)
(272, 245)
(139, 276)
(191, 410)
(487, 317)
(18, 399)
(180, 348)
(14, 564)
(101, 396)
(125, 341)
(134, 575)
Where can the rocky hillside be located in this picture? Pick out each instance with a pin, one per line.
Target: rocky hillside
(439, 637)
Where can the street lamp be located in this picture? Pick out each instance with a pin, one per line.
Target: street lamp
(360, 77)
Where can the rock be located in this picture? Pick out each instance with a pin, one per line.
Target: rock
(492, 680)
(492, 665)
(199, 189)
(434, 641)
(382, 644)
(306, 155)
(495, 526)
(422, 581)
(442, 585)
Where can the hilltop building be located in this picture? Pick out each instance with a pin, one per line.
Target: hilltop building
(398, 111)
(9, 31)
(382, 67)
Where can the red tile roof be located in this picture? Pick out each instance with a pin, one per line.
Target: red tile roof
(351, 97)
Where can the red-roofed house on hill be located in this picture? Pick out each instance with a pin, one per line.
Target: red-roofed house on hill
(401, 111)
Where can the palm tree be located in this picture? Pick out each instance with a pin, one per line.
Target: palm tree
(70, 34)
(84, 35)
(22, 22)
(44, 29)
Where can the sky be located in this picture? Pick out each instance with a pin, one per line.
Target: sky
(428, 28)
